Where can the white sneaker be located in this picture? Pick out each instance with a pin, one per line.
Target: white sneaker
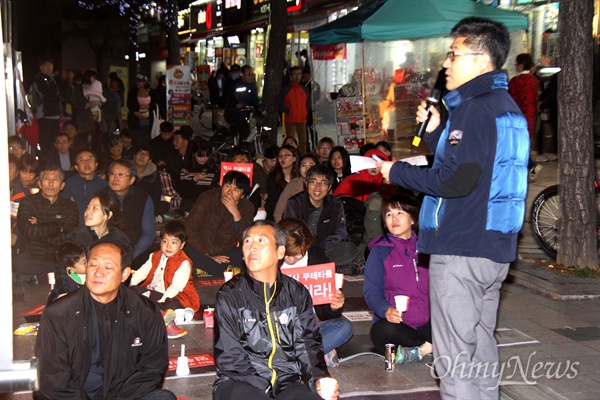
(541, 159)
(535, 172)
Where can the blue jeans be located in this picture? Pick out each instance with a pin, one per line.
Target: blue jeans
(335, 332)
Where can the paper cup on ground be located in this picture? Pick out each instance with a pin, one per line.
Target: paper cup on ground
(401, 303)
(179, 316)
(339, 281)
(228, 275)
(327, 388)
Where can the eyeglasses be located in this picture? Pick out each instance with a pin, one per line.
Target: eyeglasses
(119, 175)
(314, 182)
(452, 54)
(285, 156)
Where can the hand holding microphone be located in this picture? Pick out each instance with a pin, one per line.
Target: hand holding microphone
(429, 110)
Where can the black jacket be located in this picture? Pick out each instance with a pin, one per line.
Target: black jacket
(245, 336)
(331, 228)
(137, 357)
(54, 221)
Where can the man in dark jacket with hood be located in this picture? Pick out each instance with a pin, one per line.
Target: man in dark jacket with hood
(103, 341)
(266, 332)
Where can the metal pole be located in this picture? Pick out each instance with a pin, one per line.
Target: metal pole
(363, 89)
(22, 375)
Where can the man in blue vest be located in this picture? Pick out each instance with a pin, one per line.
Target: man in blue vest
(473, 208)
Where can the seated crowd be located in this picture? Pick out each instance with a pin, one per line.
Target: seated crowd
(71, 202)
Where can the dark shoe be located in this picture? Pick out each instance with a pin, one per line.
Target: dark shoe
(351, 269)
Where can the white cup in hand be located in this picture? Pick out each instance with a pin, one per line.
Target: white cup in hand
(328, 386)
(401, 303)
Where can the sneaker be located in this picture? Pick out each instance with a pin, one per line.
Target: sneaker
(331, 359)
(168, 316)
(351, 269)
(408, 355)
(175, 332)
(535, 172)
(541, 159)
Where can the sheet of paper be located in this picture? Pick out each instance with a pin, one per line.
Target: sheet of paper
(358, 163)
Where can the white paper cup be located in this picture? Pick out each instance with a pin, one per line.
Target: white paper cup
(327, 387)
(401, 303)
(228, 275)
(179, 316)
(339, 281)
(183, 367)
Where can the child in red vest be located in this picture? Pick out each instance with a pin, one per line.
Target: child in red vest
(166, 277)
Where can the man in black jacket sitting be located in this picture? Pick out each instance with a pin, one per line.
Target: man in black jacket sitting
(103, 341)
(266, 333)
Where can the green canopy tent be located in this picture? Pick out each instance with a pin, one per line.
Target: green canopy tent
(408, 19)
(380, 21)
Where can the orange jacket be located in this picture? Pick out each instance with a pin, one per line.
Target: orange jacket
(189, 297)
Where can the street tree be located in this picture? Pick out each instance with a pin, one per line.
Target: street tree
(576, 233)
(275, 63)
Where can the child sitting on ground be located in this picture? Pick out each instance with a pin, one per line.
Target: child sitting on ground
(166, 277)
(70, 272)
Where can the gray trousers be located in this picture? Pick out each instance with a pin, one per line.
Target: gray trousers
(464, 294)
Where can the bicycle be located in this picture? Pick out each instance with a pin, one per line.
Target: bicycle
(203, 110)
(545, 214)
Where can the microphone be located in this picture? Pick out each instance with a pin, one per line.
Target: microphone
(432, 100)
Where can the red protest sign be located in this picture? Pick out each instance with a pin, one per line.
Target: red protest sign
(318, 279)
(246, 169)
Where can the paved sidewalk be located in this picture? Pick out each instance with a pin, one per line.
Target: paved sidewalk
(558, 358)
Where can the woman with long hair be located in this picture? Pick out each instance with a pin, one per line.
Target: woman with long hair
(339, 162)
(200, 176)
(98, 222)
(300, 252)
(296, 185)
(28, 172)
(285, 170)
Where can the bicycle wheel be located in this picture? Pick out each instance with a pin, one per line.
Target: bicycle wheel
(206, 118)
(544, 219)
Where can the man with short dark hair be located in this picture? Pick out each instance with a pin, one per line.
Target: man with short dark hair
(103, 341)
(242, 94)
(324, 215)
(82, 186)
(137, 210)
(252, 361)
(44, 220)
(129, 145)
(216, 223)
(61, 155)
(162, 144)
(148, 179)
(47, 100)
(179, 157)
(474, 205)
(294, 102)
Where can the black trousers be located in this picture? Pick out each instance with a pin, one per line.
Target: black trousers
(384, 332)
(244, 391)
(238, 123)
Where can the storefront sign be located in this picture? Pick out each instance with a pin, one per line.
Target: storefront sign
(329, 52)
(234, 12)
(204, 17)
(260, 8)
(179, 96)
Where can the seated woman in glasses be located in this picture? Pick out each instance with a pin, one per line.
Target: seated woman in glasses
(285, 170)
(324, 215)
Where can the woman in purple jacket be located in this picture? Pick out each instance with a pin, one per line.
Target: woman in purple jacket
(393, 268)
